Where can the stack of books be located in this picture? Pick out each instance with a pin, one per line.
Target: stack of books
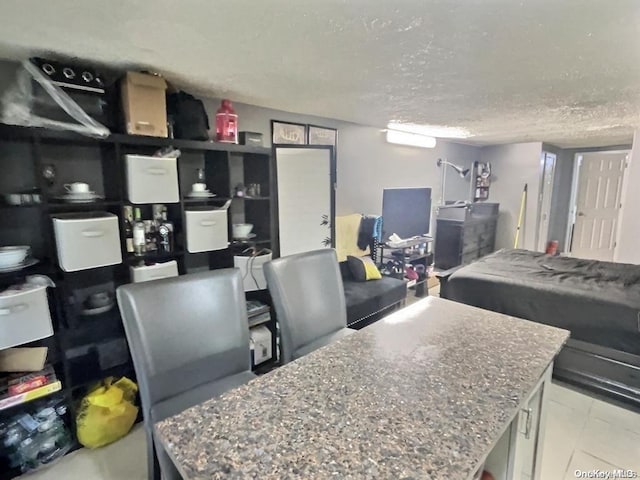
(20, 388)
(258, 313)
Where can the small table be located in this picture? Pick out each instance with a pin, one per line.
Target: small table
(417, 257)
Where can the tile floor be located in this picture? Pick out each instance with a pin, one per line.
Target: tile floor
(584, 433)
(122, 460)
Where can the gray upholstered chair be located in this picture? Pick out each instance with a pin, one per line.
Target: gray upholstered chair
(308, 297)
(189, 340)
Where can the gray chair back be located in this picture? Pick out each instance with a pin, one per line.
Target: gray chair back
(185, 331)
(308, 297)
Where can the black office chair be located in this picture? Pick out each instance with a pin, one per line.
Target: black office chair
(189, 340)
(308, 297)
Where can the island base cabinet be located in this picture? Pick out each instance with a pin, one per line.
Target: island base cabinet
(518, 453)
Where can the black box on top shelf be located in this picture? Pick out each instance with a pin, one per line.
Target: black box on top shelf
(251, 138)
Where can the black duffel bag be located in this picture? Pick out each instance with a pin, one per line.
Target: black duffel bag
(190, 121)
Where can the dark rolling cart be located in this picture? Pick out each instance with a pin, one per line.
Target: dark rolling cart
(408, 252)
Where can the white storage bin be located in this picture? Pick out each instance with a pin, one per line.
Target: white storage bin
(207, 230)
(152, 179)
(158, 271)
(252, 271)
(24, 317)
(87, 240)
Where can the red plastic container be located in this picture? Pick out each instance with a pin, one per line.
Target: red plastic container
(226, 123)
(552, 247)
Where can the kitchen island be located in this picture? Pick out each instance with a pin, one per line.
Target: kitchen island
(428, 392)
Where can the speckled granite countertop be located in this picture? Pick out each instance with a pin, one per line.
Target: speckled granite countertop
(422, 394)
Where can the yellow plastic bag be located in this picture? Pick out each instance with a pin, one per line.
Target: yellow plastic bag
(107, 413)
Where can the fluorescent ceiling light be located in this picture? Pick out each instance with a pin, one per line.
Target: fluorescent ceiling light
(410, 139)
(439, 131)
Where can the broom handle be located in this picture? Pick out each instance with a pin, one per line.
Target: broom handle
(521, 215)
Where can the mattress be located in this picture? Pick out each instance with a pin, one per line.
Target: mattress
(599, 302)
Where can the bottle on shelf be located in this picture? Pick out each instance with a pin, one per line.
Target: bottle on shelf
(150, 236)
(165, 234)
(139, 239)
(157, 210)
(128, 228)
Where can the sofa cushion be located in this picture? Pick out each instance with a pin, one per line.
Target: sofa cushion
(363, 268)
(366, 298)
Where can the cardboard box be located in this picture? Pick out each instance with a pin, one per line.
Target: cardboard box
(260, 345)
(23, 359)
(144, 104)
(432, 282)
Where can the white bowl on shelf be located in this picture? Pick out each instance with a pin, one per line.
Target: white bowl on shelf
(241, 230)
(13, 255)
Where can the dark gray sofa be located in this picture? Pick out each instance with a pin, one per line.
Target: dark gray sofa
(369, 301)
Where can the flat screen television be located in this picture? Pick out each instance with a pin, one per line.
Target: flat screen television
(406, 212)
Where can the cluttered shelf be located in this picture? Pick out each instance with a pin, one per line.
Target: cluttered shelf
(407, 258)
(20, 388)
(154, 256)
(16, 132)
(246, 197)
(62, 206)
(205, 201)
(407, 243)
(250, 241)
(30, 266)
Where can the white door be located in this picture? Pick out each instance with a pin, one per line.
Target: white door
(304, 199)
(544, 201)
(600, 177)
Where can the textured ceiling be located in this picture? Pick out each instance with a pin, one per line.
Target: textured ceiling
(565, 72)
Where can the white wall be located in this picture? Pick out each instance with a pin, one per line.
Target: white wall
(628, 249)
(513, 166)
(367, 164)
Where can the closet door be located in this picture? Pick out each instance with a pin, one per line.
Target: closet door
(306, 200)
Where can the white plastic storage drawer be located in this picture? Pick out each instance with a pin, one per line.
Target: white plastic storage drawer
(207, 230)
(24, 317)
(152, 179)
(87, 240)
(158, 271)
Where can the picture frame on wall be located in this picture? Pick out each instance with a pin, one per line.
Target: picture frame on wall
(317, 135)
(287, 133)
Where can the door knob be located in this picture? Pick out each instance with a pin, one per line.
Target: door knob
(581, 214)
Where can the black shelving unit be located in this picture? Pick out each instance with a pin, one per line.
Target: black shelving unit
(100, 162)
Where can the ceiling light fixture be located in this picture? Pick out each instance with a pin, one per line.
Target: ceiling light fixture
(438, 131)
(410, 139)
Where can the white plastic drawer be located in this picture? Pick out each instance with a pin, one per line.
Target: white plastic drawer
(158, 271)
(207, 230)
(152, 179)
(24, 317)
(87, 240)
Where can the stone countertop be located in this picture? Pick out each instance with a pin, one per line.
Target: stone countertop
(424, 393)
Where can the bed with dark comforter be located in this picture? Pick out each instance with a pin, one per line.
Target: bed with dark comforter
(599, 302)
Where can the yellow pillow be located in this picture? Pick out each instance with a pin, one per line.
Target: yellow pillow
(363, 268)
